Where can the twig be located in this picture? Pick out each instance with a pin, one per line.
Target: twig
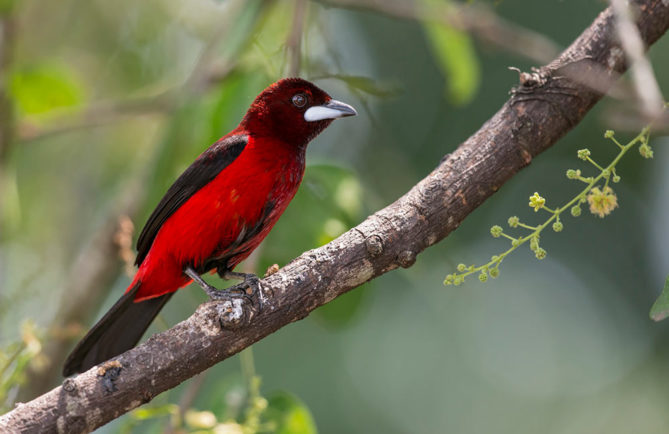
(481, 22)
(294, 42)
(389, 239)
(645, 84)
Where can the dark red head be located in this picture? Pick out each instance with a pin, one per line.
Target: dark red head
(293, 110)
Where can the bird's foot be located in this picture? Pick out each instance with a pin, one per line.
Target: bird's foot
(232, 293)
(249, 288)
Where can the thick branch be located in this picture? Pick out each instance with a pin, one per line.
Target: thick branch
(544, 108)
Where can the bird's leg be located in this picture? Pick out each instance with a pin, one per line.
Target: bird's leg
(215, 293)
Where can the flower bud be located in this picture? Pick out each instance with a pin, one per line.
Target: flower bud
(513, 221)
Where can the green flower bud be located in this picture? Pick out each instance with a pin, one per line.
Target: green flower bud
(461, 267)
(534, 244)
(573, 174)
(515, 242)
(583, 154)
(576, 210)
(557, 226)
(448, 280)
(483, 276)
(513, 221)
(615, 178)
(496, 231)
(540, 253)
(458, 280)
(608, 134)
(494, 272)
(646, 151)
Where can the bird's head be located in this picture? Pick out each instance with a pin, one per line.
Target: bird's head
(293, 110)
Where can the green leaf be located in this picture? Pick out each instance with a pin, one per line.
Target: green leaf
(289, 415)
(42, 88)
(660, 309)
(145, 413)
(456, 56)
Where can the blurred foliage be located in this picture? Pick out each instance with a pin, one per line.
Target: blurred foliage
(290, 415)
(14, 360)
(237, 408)
(42, 88)
(660, 309)
(108, 93)
(457, 58)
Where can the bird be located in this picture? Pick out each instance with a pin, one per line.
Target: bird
(216, 213)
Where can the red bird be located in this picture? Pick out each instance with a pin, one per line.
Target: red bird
(216, 213)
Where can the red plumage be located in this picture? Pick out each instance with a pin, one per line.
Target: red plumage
(217, 212)
(210, 222)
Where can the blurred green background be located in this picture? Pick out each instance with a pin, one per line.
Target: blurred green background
(112, 100)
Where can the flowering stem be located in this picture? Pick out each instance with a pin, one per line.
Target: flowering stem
(536, 202)
(594, 164)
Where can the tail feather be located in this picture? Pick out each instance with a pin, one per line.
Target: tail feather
(118, 331)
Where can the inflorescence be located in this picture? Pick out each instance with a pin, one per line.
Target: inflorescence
(599, 196)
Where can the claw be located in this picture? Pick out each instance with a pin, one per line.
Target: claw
(251, 282)
(237, 291)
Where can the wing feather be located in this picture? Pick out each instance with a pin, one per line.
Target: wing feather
(205, 168)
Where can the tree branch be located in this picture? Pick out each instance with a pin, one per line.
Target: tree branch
(647, 89)
(485, 25)
(543, 109)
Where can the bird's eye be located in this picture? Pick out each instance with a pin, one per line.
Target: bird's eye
(299, 100)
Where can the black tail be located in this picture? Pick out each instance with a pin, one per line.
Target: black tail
(118, 331)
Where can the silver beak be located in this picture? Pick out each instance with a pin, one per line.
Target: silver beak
(332, 109)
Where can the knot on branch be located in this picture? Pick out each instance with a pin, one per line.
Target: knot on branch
(406, 259)
(374, 245)
(70, 386)
(233, 314)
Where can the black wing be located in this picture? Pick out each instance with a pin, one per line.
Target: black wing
(198, 174)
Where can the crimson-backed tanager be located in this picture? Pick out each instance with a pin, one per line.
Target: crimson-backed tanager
(216, 213)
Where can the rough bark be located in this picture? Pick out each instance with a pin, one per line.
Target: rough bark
(546, 105)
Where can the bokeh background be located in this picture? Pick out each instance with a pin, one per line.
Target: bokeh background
(107, 102)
